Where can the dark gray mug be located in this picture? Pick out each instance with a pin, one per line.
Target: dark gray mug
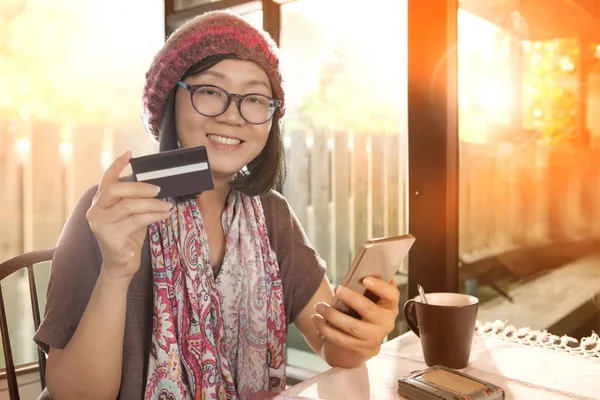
(445, 325)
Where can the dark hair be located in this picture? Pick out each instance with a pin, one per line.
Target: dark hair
(266, 172)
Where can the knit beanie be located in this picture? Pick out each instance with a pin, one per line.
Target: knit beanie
(211, 33)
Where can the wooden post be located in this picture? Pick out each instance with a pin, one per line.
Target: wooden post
(169, 9)
(464, 184)
(272, 19)
(484, 189)
(378, 184)
(515, 223)
(394, 161)
(433, 144)
(10, 199)
(67, 170)
(360, 189)
(320, 172)
(14, 160)
(502, 194)
(87, 147)
(341, 198)
(297, 186)
(47, 199)
(557, 194)
(47, 186)
(26, 198)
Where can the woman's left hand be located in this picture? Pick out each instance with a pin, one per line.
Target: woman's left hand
(364, 336)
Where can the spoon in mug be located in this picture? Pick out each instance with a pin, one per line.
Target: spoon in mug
(422, 294)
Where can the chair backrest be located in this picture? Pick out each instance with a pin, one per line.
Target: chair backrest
(27, 261)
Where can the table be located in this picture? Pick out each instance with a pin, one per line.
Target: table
(525, 371)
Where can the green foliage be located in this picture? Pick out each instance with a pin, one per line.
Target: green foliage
(550, 89)
(351, 97)
(42, 74)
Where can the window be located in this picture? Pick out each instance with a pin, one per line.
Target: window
(529, 183)
(184, 10)
(183, 4)
(345, 129)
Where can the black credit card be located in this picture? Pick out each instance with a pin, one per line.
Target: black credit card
(178, 172)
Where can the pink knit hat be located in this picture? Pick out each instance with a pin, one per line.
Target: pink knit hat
(212, 33)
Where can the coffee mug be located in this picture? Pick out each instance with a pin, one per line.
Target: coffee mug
(445, 326)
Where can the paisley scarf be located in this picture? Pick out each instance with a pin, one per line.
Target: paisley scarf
(217, 337)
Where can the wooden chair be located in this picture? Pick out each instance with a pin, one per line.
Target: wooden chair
(27, 261)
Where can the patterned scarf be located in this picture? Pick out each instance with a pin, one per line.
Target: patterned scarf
(215, 338)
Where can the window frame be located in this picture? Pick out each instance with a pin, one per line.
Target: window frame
(271, 13)
(433, 146)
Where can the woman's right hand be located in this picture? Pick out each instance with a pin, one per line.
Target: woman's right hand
(119, 218)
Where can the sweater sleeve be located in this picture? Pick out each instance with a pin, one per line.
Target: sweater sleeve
(302, 269)
(75, 268)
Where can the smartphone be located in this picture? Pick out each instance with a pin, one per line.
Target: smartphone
(178, 172)
(439, 382)
(378, 258)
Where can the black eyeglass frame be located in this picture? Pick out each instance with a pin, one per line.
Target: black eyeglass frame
(274, 103)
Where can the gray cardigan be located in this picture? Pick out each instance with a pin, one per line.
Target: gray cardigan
(77, 263)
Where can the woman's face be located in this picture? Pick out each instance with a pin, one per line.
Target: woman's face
(230, 141)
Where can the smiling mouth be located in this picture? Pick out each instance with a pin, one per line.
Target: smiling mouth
(224, 140)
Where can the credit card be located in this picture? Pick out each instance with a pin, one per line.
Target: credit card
(178, 172)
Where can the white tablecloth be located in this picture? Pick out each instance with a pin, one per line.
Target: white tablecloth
(525, 372)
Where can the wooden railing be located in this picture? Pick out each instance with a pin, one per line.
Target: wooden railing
(345, 187)
(527, 194)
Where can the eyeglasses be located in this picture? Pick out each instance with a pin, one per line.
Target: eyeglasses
(212, 101)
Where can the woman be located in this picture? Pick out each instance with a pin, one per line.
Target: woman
(191, 297)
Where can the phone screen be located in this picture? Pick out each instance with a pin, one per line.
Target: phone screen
(450, 381)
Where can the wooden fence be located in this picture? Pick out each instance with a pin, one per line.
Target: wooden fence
(519, 194)
(43, 171)
(346, 188)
